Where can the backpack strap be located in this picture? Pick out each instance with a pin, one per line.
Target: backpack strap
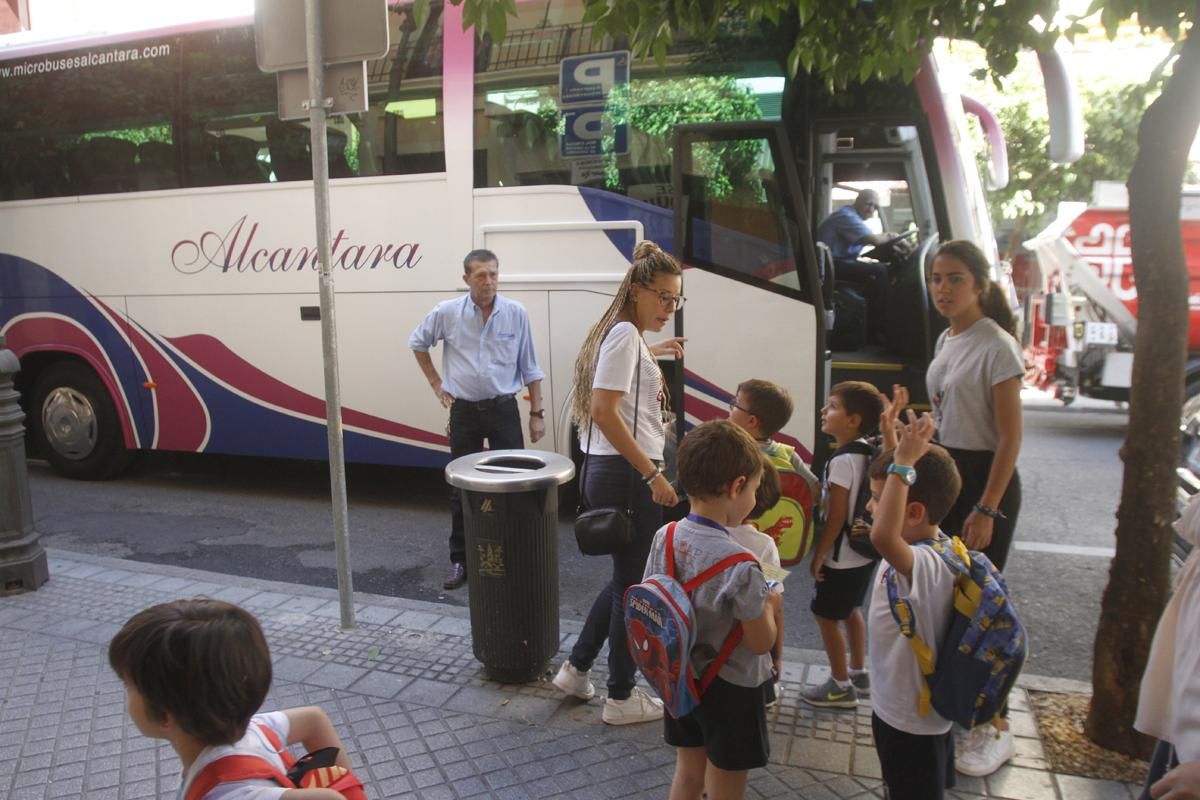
(902, 611)
(242, 768)
(857, 447)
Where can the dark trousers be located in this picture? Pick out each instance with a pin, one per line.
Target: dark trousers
(914, 767)
(499, 422)
(607, 483)
(1163, 761)
(974, 466)
(872, 279)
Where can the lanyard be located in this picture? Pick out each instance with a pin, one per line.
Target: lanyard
(706, 521)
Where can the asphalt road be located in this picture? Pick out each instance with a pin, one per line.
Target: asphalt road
(271, 519)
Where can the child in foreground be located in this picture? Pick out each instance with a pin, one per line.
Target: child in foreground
(720, 468)
(195, 673)
(912, 489)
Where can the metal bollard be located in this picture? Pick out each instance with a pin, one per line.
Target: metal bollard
(22, 559)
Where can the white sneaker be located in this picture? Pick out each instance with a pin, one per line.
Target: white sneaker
(983, 750)
(571, 681)
(640, 707)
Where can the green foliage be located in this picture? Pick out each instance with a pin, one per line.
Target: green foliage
(150, 133)
(1036, 186)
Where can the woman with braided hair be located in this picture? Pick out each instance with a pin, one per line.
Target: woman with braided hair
(619, 399)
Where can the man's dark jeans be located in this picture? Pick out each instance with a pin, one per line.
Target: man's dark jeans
(608, 480)
(872, 278)
(499, 422)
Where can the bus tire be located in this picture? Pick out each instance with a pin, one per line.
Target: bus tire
(75, 424)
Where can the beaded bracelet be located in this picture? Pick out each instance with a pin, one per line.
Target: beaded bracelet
(987, 511)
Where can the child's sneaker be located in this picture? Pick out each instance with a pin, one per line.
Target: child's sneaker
(640, 707)
(572, 682)
(861, 681)
(830, 695)
(776, 695)
(983, 750)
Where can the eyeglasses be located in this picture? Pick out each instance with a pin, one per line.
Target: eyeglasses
(666, 299)
(733, 404)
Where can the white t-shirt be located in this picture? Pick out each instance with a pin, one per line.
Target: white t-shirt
(848, 471)
(254, 743)
(1169, 702)
(758, 544)
(896, 679)
(622, 349)
(960, 380)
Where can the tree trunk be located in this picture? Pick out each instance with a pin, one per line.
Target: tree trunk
(1139, 577)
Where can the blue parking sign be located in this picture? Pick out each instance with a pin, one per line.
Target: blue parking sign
(584, 132)
(590, 79)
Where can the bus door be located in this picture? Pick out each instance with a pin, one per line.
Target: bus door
(754, 308)
(889, 342)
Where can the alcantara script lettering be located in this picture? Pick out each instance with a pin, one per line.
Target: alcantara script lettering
(239, 250)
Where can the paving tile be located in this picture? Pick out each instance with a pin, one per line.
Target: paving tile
(417, 620)
(1019, 783)
(1075, 788)
(814, 754)
(427, 693)
(377, 615)
(335, 676)
(380, 684)
(295, 669)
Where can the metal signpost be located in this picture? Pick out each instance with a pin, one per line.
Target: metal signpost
(349, 31)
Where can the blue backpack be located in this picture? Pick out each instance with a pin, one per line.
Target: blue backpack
(983, 649)
(660, 627)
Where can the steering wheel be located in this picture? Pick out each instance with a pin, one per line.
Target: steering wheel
(894, 251)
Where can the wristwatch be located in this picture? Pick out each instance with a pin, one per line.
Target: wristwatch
(540, 413)
(907, 474)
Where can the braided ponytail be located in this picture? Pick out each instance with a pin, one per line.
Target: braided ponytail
(649, 261)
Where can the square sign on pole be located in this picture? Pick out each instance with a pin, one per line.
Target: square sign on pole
(345, 84)
(585, 130)
(351, 30)
(590, 79)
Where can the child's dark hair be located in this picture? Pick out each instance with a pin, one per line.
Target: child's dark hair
(715, 454)
(863, 399)
(938, 482)
(992, 301)
(769, 490)
(768, 401)
(204, 662)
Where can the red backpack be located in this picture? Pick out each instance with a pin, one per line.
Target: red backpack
(313, 771)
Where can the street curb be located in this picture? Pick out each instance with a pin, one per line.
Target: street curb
(791, 655)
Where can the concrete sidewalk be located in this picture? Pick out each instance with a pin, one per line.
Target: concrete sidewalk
(409, 700)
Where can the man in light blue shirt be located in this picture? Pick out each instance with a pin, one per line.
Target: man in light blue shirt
(487, 356)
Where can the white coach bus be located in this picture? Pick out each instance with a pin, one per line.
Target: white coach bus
(157, 273)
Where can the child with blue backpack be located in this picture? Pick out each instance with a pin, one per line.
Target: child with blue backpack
(912, 489)
(719, 741)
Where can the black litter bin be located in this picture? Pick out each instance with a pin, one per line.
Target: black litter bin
(510, 515)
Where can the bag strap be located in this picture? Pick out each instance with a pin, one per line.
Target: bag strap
(637, 398)
(242, 768)
(735, 636)
(856, 448)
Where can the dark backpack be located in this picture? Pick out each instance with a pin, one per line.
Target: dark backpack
(981, 652)
(856, 531)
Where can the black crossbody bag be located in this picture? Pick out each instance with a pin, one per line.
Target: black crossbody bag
(603, 531)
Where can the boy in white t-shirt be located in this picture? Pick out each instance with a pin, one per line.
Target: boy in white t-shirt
(842, 576)
(762, 546)
(195, 672)
(912, 489)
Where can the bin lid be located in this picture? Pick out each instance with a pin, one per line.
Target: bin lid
(509, 471)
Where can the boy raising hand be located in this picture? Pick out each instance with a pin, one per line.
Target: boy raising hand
(912, 489)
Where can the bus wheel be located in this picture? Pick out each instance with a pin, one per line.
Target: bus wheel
(75, 424)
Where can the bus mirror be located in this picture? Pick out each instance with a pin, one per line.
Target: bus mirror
(1062, 103)
(997, 147)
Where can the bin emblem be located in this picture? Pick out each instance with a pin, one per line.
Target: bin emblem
(491, 559)
(487, 506)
